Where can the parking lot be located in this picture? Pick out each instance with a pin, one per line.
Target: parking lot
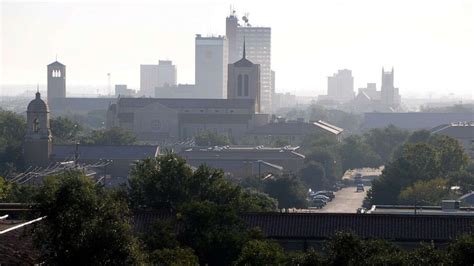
(346, 201)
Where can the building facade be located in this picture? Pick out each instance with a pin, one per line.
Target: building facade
(389, 94)
(341, 86)
(258, 42)
(244, 81)
(56, 75)
(211, 59)
(167, 74)
(160, 119)
(38, 140)
(148, 79)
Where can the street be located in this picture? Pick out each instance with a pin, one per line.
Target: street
(346, 201)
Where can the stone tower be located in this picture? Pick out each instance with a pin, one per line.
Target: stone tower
(243, 80)
(38, 141)
(56, 81)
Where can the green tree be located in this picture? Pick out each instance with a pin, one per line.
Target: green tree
(64, 130)
(281, 142)
(355, 153)
(174, 257)
(313, 175)
(461, 250)
(308, 258)
(5, 189)
(451, 154)
(160, 183)
(427, 254)
(210, 138)
(288, 191)
(214, 231)
(385, 140)
(344, 248)
(12, 133)
(430, 192)
(261, 252)
(113, 136)
(167, 182)
(83, 223)
(330, 160)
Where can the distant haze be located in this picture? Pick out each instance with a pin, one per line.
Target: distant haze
(430, 43)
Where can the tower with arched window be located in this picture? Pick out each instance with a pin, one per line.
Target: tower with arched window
(243, 81)
(56, 81)
(38, 141)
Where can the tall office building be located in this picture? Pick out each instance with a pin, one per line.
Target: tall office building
(152, 76)
(56, 73)
(166, 73)
(341, 86)
(211, 61)
(148, 80)
(389, 94)
(258, 43)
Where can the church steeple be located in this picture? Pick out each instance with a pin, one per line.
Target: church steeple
(243, 56)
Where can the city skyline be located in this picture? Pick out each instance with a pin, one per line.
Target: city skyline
(431, 48)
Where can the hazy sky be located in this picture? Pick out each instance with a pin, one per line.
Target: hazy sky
(429, 42)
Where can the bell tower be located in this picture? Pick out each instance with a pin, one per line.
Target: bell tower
(243, 80)
(56, 81)
(38, 141)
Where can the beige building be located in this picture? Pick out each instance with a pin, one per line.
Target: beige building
(158, 120)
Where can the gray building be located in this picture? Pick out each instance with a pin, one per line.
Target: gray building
(258, 42)
(293, 132)
(167, 74)
(341, 86)
(244, 81)
(389, 94)
(122, 90)
(159, 119)
(211, 59)
(412, 121)
(243, 161)
(56, 75)
(148, 79)
(461, 131)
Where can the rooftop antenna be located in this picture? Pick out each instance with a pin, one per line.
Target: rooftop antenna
(37, 87)
(56, 57)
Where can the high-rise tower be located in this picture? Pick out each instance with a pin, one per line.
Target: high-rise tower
(56, 81)
(258, 49)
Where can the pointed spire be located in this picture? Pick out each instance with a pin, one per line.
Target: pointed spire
(37, 87)
(244, 49)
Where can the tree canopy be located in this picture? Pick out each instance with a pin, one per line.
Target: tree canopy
(83, 223)
(12, 133)
(210, 138)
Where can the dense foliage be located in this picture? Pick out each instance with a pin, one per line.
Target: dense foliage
(211, 138)
(83, 224)
(12, 132)
(422, 172)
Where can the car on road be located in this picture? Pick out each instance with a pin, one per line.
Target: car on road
(321, 197)
(360, 188)
(326, 193)
(317, 203)
(361, 210)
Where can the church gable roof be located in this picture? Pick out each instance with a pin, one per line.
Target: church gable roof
(56, 63)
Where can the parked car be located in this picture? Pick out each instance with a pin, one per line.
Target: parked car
(318, 203)
(360, 187)
(322, 197)
(361, 210)
(326, 193)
